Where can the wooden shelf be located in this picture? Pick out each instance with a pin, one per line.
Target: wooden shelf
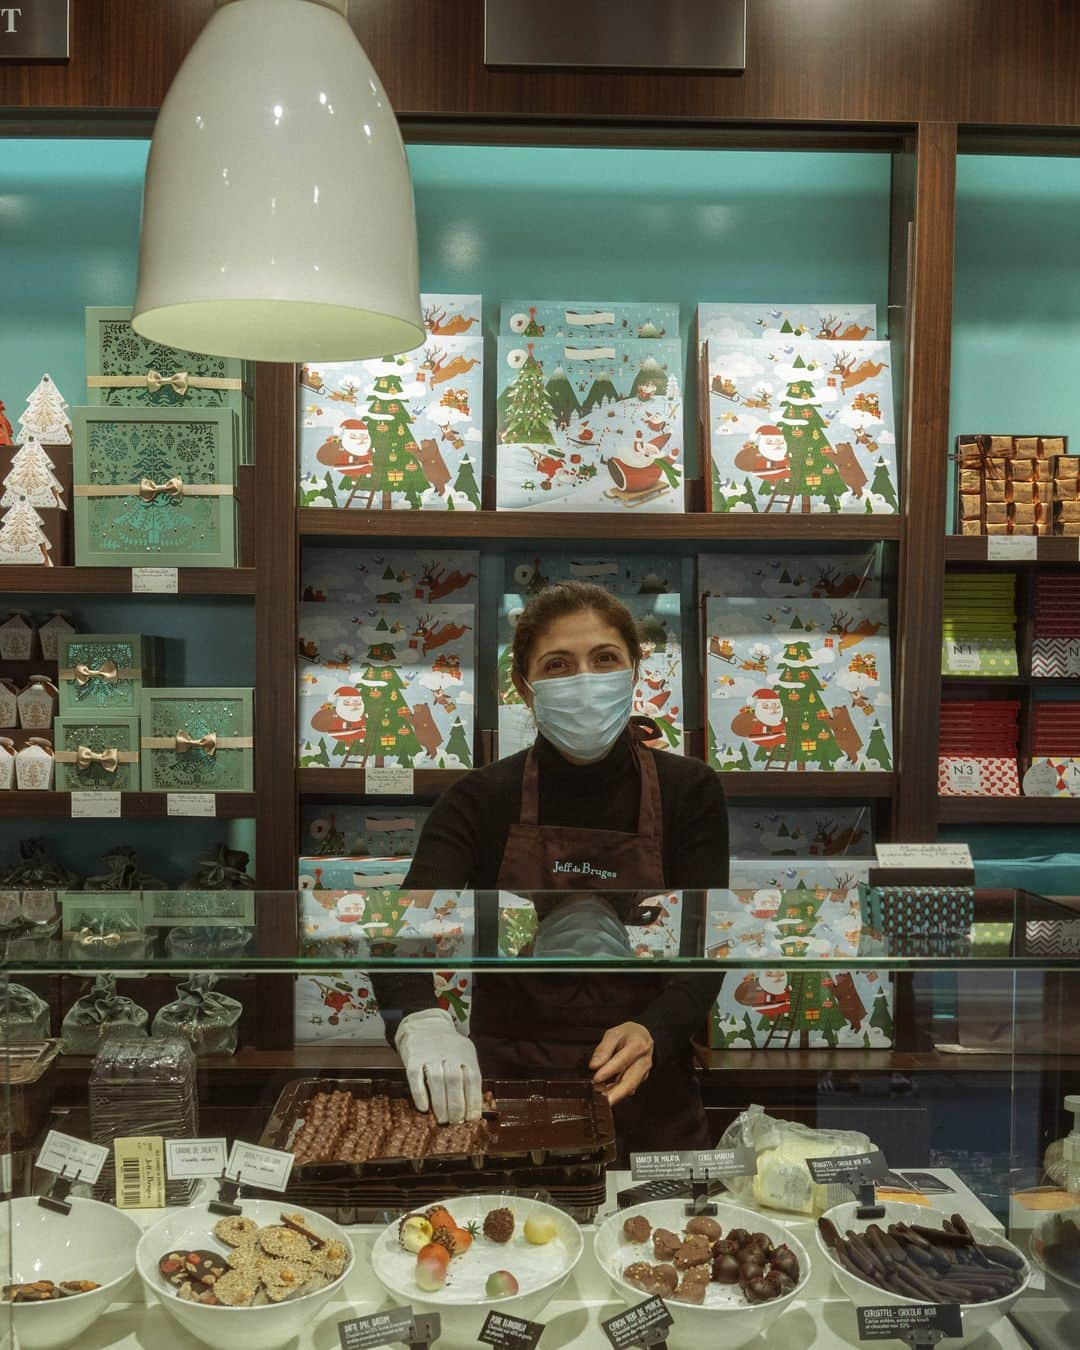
(1009, 810)
(117, 581)
(814, 1063)
(133, 805)
(346, 784)
(971, 548)
(693, 527)
(1014, 681)
(814, 786)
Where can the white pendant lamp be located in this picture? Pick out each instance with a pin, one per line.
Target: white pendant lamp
(278, 220)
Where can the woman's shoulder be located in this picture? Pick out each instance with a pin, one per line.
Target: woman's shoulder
(502, 775)
(684, 772)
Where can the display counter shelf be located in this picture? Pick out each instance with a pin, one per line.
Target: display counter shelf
(1009, 810)
(961, 548)
(117, 581)
(133, 805)
(822, 1318)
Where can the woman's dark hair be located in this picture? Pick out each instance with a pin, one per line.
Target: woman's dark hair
(571, 597)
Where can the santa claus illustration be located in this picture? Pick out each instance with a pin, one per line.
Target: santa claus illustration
(766, 992)
(765, 903)
(349, 451)
(762, 720)
(343, 719)
(766, 456)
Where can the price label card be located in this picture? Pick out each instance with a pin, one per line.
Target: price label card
(95, 805)
(389, 782)
(155, 580)
(840, 1170)
(964, 776)
(697, 1163)
(78, 1159)
(940, 857)
(140, 1172)
(268, 1168)
(191, 804)
(187, 1158)
(515, 1332)
(899, 1323)
(645, 1324)
(387, 1328)
(961, 658)
(1012, 548)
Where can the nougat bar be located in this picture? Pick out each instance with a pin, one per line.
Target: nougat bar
(970, 505)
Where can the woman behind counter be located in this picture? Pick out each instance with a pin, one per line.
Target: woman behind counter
(587, 799)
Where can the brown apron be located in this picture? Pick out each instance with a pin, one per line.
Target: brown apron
(549, 1025)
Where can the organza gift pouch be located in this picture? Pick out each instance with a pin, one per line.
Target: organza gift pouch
(201, 1015)
(23, 1016)
(98, 1015)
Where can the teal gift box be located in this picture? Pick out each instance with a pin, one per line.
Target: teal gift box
(197, 740)
(941, 915)
(96, 754)
(125, 370)
(155, 487)
(104, 672)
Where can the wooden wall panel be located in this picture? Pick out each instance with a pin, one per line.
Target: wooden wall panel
(967, 61)
(925, 191)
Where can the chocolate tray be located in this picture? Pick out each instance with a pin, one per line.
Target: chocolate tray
(537, 1124)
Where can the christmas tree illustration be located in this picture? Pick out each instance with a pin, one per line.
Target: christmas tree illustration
(45, 418)
(807, 719)
(458, 744)
(877, 750)
(395, 460)
(813, 1005)
(22, 537)
(529, 413)
(880, 1017)
(389, 733)
(465, 482)
(882, 485)
(813, 470)
(31, 478)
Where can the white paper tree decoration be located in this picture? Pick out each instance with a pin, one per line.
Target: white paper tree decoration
(45, 418)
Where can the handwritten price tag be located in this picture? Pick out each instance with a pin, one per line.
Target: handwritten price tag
(75, 1158)
(389, 782)
(268, 1168)
(187, 1158)
(155, 581)
(941, 857)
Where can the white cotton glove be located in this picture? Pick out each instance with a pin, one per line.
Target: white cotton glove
(441, 1066)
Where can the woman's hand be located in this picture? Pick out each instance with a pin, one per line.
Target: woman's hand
(622, 1061)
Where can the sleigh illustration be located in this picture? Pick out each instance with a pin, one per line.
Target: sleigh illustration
(724, 388)
(636, 484)
(312, 379)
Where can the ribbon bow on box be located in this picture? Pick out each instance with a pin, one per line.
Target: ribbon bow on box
(173, 488)
(106, 671)
(207, 743)
(178, 382)
(108, 759)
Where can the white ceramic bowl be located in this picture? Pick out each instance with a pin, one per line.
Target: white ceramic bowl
(978, 1317)
(462, 1304)
(93, 1242)
(262, 1328)
(725, 1321)
(1068, 1290)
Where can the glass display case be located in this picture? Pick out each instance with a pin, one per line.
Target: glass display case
(919, 1040)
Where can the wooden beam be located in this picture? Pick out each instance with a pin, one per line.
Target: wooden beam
(923, 226)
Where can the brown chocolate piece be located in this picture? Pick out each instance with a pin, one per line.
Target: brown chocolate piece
(739, 1236)
(667, 1277)
(690, 1291)
(829, 1233)
(636, 1228)
(665, 1244)
(725, 1269)
(758, 1291)
(640, 1275)
(696, 1252)
(499, 1225)
(780, 1283)
(750, 1271)
(705, 1227)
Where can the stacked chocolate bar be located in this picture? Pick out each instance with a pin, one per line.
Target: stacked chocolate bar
(1017, 485)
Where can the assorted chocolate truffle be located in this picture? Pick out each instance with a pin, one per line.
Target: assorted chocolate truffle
(704, 1255)
(499, 1225)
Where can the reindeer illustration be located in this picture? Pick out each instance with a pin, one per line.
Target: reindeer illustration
(436, 322)
(442, 369)
(830, 840)
(439, 584)
(432, 636)
(762, 399)
(828, 584)
(853, 333)
(851, 374)
(830, 327)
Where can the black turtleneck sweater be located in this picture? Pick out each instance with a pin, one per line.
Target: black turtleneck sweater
(463, 841)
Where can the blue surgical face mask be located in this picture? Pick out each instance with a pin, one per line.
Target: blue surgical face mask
(584, 715)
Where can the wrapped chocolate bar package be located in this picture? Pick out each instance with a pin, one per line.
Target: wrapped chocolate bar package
(98, 1015)
(24, 1016)
(201, 1015)
(143, 1087)
(122, 873)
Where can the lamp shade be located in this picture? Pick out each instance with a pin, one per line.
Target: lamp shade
(278, 220)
